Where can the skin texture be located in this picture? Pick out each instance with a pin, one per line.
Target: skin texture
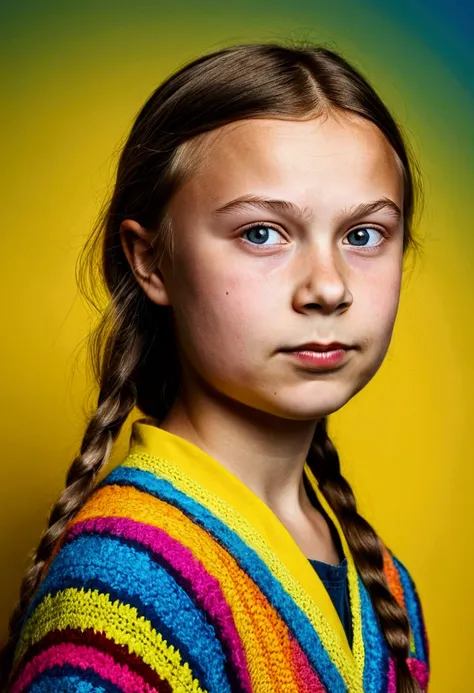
(240, 296)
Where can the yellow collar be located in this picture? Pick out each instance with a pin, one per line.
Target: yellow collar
(206, 480)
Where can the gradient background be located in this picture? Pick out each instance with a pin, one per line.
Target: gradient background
(75, 75)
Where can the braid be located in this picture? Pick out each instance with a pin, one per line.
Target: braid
(366, 550)
(116, 399)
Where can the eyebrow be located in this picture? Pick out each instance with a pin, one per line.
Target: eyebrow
(303, 214)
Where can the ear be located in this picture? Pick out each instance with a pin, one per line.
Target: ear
(137, 246)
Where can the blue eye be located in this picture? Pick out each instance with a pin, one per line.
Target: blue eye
(260, 233)
(361, 236)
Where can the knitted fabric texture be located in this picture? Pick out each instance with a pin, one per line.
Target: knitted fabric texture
(174, 577)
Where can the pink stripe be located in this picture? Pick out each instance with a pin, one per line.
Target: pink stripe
(418, 669)
(392, 678)
(83, 657)
(206, 588)
(308, 681)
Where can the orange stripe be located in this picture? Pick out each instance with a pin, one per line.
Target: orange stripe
(393, 578)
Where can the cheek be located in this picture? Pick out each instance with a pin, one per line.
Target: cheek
(388, 297)
(380, 309)
(376, 312)
(222, 320)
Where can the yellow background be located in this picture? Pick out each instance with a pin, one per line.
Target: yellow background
(76, 77)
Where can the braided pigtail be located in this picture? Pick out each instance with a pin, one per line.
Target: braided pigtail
(366, 550)
(116, 399)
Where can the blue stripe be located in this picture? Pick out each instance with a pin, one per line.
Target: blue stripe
(249, 561)
(375, 648)
(124, 572)
(70, 679)
(414, 613)
(422, 627)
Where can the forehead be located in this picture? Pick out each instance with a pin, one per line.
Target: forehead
(329, 161)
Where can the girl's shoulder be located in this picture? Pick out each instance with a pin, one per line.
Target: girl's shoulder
(404, 589)
(113, 598)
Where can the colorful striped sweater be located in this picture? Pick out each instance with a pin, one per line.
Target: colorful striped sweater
(175, 577)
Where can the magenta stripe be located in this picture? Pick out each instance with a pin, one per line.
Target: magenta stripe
(392, 678)
(206, 588)
(83, 657)
(418, 669)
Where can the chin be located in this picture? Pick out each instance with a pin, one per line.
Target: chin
(322, 401)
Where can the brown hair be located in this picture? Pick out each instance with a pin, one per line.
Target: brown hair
(133, 348)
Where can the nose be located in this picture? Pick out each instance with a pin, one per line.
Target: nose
(322, 281)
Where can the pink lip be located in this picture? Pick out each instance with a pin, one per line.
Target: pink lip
(319, 346)
(321, 359)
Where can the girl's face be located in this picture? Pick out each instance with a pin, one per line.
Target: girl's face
(242, 296)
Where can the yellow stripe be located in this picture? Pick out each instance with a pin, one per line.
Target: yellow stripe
(119, 622)
(208, 482)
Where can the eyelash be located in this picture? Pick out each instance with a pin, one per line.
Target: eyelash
(384, 234)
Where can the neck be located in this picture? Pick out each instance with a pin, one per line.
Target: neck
(267, 453)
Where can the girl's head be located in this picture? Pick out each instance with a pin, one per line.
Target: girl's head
(315, 257)
(271, 122)
(199, 298)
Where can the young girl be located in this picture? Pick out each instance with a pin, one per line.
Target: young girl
(253, 251)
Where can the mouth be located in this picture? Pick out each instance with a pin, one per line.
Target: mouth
(320, 357)
(319, 347)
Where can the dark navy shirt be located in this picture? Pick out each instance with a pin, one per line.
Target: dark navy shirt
(334, 577)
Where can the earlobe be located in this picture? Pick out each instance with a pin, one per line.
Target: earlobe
(141, 256)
